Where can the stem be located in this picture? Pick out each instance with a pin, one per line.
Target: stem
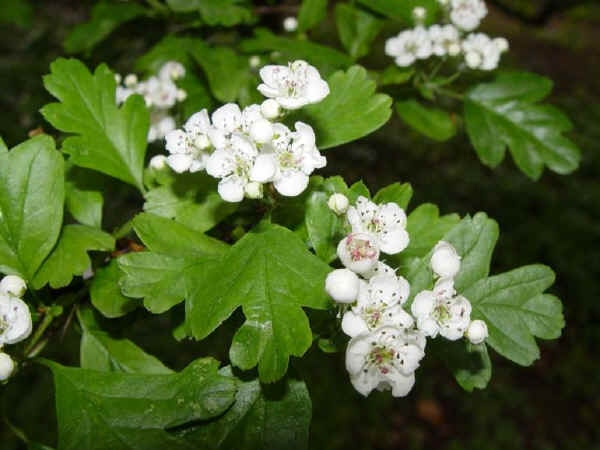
(17, 431)
(48, 318)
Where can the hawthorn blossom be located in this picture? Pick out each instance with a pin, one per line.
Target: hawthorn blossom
(13, 285)
(379, 303)
(445, 261)
(293, 86)
(467, 14)
(482, 52)
(338, 203)
(409, 46)
(385, 359)
(342, 285)
(358, 252)
(7, 366)
(387, 222)
(15, 320)
(190, 147)
(441, 311)
(445, 40)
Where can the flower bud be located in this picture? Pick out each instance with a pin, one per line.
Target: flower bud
(270, 109)
(290, 24)
(254, 190)
(342, 285)
(13, 285)
(501, 44)
(181, 95)
(131, 80)
(7, 366)
(261, 131)
(473, 60)
(118, 78)
(254, 61)
(419, 15)
(158, 162)
(445, 261)
(338, 203)
(358, 252)
(477, 332)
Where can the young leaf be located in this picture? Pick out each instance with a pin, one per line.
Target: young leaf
(100, 410)
(105, 292)
(516, 310)
(106, 17)
(216, 12)
(506, 113)
(262, 417)
(109, 139)
(357, 29)
(402, 9)
(352, 109)
(69, 257)
(271, 274)
(434, 123)
(31, 205)
(311, 13)
(191, 199)
(158, 275)
(100, 351)
(396, 193)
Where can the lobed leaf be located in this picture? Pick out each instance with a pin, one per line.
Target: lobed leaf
(434, 123)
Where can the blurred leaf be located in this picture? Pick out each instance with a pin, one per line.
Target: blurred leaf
(352, 109)
(402, 9)
(396, 193)
(109, 139)
(311, 13)
(198, 95)
(192, 199)
(326, 59)
(106, 295)
(31, 205)
(170, 48)
(105, 18)
(262, 417)
(357, 29)
(505, 113)
(70, 256)
(271, 274)
(396, 75)
(18, 12)
(99, 410)
(100, 351)
(432, 122)
(158, 275)
(216, 12)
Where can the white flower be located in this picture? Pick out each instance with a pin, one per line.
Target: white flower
(379, 269)
(440, 311)
(409, 46)
(171, 70)
(131, 80)
(419, 14)
(477, 332)
(13, 285)
(270, 109)
(15, 320)
(293, 86)
(7, 366)
(161, 124)
(482, 52)
(386, 222)
(445, 40)
(467, 14)
(342, 285)
(262, 131)
(190, 148)
(358, 252)
(158, 162)
(157, 92)
(445, 261)
(385, 359)
(338, 203)
(297, 157)
(290, 24)
(225, 120)
(379, 303)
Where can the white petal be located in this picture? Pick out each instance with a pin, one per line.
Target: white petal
(220, 164)
(20, 322)
(386, 289)
(291, 183)
(292, 103)
(364, 383)
(401, 384)
(356, 352)
(13, 285)
(264, 168)
(268, 91)
(391, 216)
(231, 189)
(317, 91)
(342, 285)
(7, 366)
(179, 163)
(217, 137)
(393, 241)
(353, 325)
(177, 142)
(423, 304)
(198, 123)
(227, 118)
(429, 327)
(396, 316)
(444, 288)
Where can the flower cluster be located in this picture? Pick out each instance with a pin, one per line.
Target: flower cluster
(248, 148)
(451, 38)
(160, 94)
(15, 319)
(387, 342)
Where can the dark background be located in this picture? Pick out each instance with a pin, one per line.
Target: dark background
(554, 404)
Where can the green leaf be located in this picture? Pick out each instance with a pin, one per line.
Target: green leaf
(506, 113)
(262, 417)
(312, 12)
(434, 123)
(325, 58)
(106, 295)
(158, 275)
(109, 140)
(18, 12)
(3, 147)
(31, 205)
(192, 199)
(83, 200)
(469, 363)
(171, 48)
(70, 256)
(272, 275)
(352, 109)
(99, 410)
(357, 29)
(426, 228)
(516, 310)
(395, 193)
(402, 9)
(106, 17)
(216, 12)
(396, 75)
(356, 190)
(100, 351)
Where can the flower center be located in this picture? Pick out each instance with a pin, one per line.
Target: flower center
(381, 357)
(360, 249)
